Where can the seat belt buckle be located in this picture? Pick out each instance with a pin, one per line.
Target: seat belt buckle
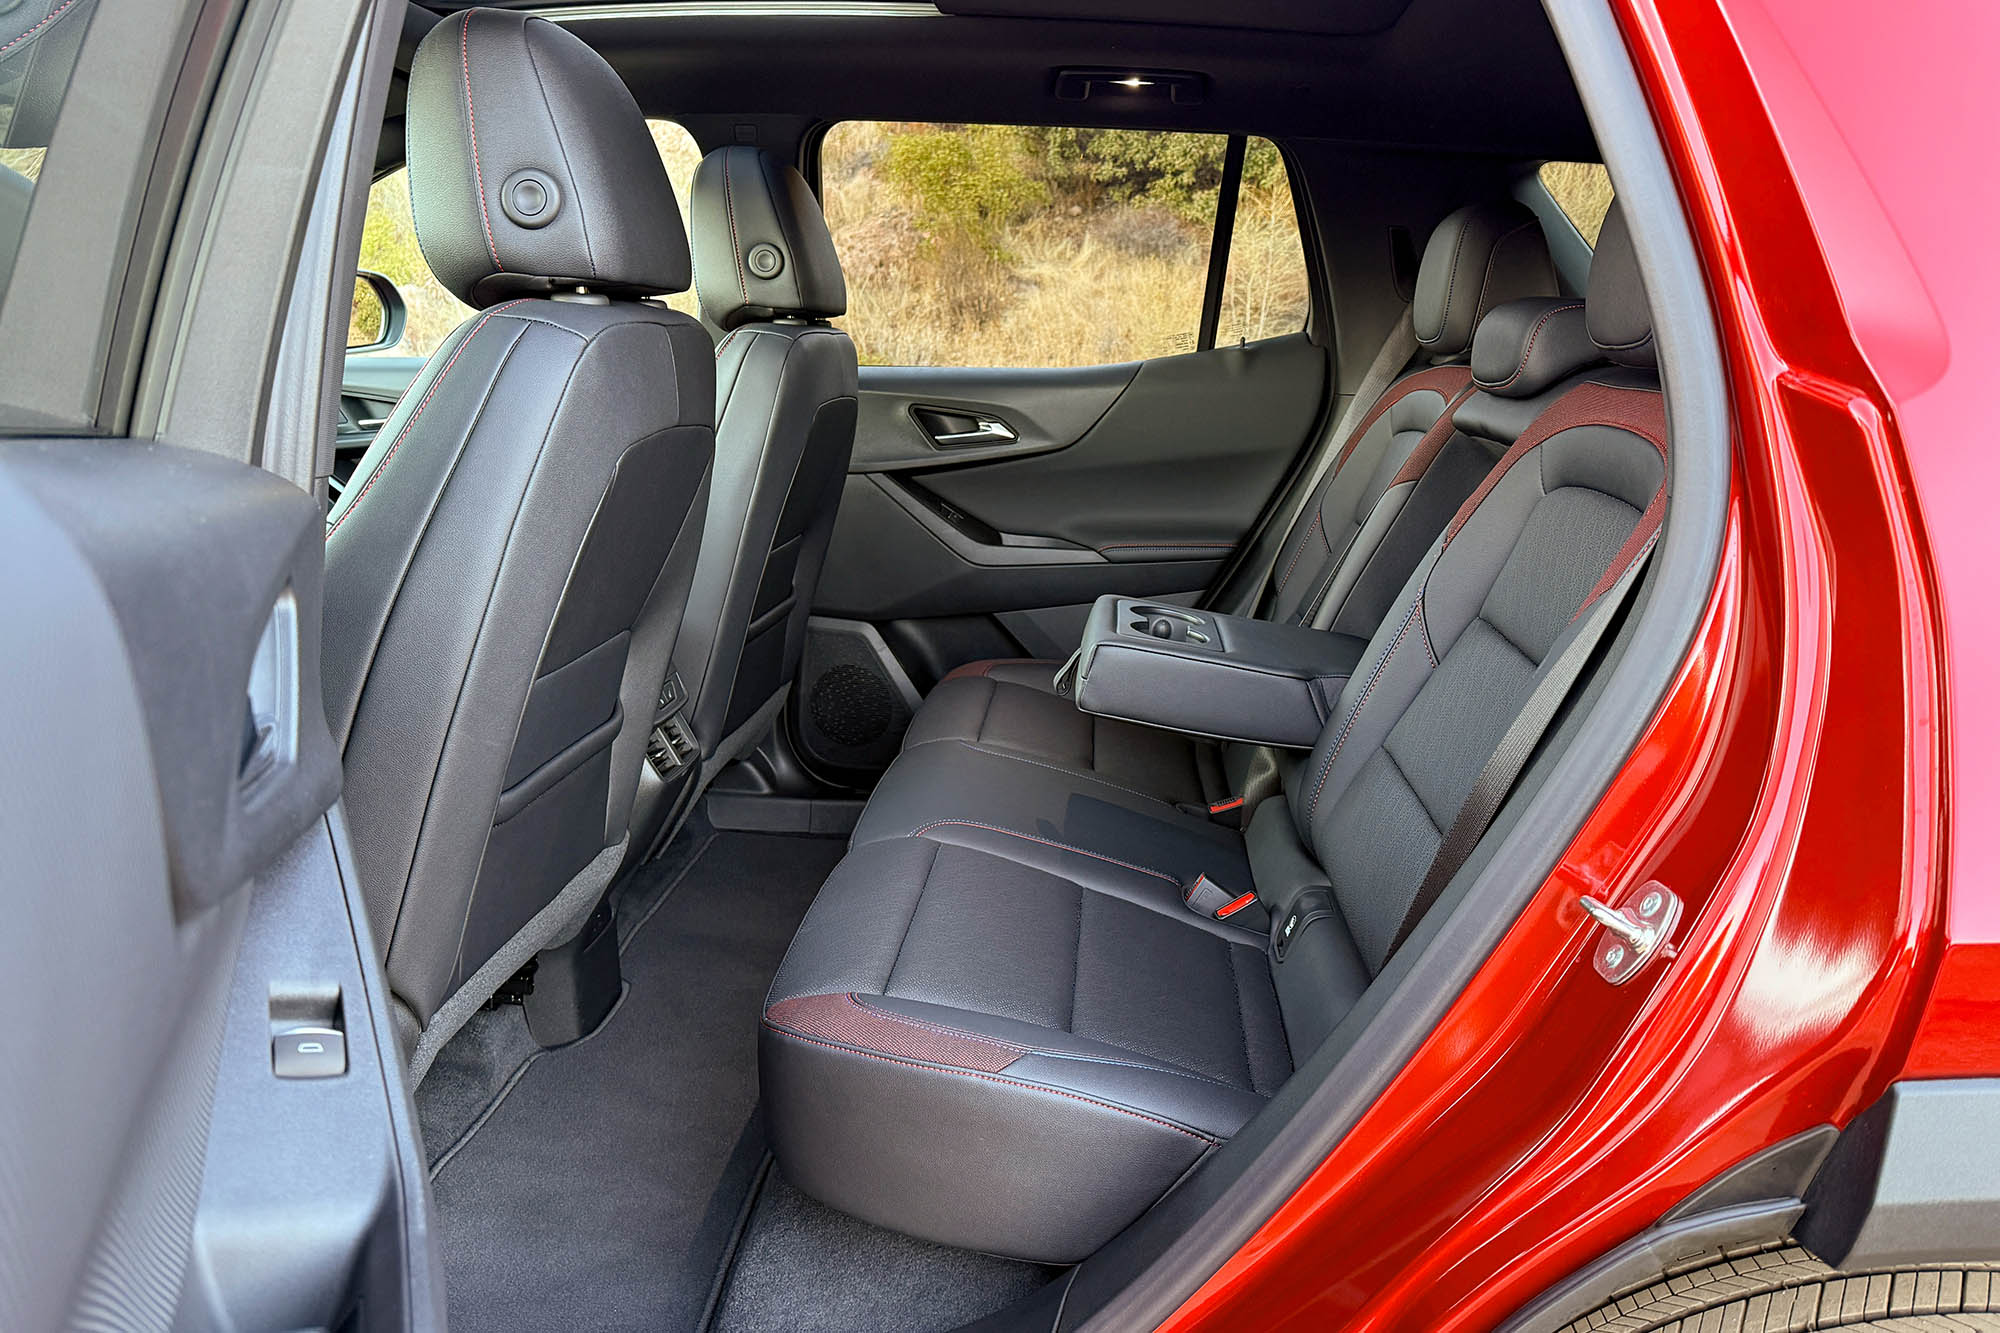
(1206, 898)
(1228, 813)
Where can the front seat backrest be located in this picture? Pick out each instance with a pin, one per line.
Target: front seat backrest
(507, 567)
(767, 275)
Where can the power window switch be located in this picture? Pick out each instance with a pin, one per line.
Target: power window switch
(309, 1053)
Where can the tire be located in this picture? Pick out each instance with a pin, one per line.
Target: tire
(1781, 1288)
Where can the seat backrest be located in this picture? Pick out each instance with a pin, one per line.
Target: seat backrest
(507, 567)
(1479, 257)
(1553, 526)
(768, 279)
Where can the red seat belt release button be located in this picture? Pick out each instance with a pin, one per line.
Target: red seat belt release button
(1211, 900)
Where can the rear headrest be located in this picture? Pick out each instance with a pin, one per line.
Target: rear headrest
(1523, 347)
(1620, 322)
(761, 248)
(1477, 257)
(531, 168)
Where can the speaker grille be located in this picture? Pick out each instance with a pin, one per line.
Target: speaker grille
(853, 717)
(851, 705)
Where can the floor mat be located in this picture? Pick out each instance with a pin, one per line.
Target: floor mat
(599, 1186)
(801, 1267)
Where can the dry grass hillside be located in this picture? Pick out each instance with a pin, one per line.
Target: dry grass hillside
(989, 246)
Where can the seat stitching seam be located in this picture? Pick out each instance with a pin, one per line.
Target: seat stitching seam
(735, 246)
(1145, 1066)
(1242, 1019)
(1451, 285)
(555, 127)
(422, 403)
(1354, 714)
(923, 886)
(1046, 842)
(472, 135)
(1067, 772)
(507, 547)
(1404, 774)
(59, 11)
(1528, 350)
(1492, 258)
(994, 1078)
(1075, 967)
(1300, 548)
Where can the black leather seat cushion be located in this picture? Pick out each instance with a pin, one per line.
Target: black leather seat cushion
(996, 1056)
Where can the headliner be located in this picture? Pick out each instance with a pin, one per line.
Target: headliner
(1482, 76)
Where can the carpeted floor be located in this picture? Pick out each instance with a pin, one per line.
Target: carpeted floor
(801, 1267)
(600, 1186)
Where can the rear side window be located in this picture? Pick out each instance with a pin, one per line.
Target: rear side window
(987, 245)
(389, 247)
(1582, 190)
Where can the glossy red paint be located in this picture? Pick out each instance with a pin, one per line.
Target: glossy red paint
(1792, 787)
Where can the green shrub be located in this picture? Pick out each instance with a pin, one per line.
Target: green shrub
(965, 184)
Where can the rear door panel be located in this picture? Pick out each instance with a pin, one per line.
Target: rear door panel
(1137, 479)
(1134, 479)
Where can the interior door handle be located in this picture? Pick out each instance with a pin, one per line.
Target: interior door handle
(987, 431)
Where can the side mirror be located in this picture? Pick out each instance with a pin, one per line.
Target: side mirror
(375, 320)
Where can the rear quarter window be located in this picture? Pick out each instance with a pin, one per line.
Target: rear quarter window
(1582, 190)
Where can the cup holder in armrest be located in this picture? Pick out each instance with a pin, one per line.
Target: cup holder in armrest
(1168, 624)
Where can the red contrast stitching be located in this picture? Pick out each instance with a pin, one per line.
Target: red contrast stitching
(1433, 442)
(422, 403)
(52, 16)
(1300, 550)
(1046, 842)
(940, 1029)
(472, 132)
(1529, 349)
(994, 1078)
(1444, 380)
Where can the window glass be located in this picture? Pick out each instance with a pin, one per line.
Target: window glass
(389, 247)
(1264, 294)
(985, 245)
(1582, 190)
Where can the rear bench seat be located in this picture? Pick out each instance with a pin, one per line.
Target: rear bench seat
(1395, 484)
(1001, 1028)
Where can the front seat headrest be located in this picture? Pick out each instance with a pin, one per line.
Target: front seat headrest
(1615, 309)
(761, 248)
(1478, 257)
(531, 167)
